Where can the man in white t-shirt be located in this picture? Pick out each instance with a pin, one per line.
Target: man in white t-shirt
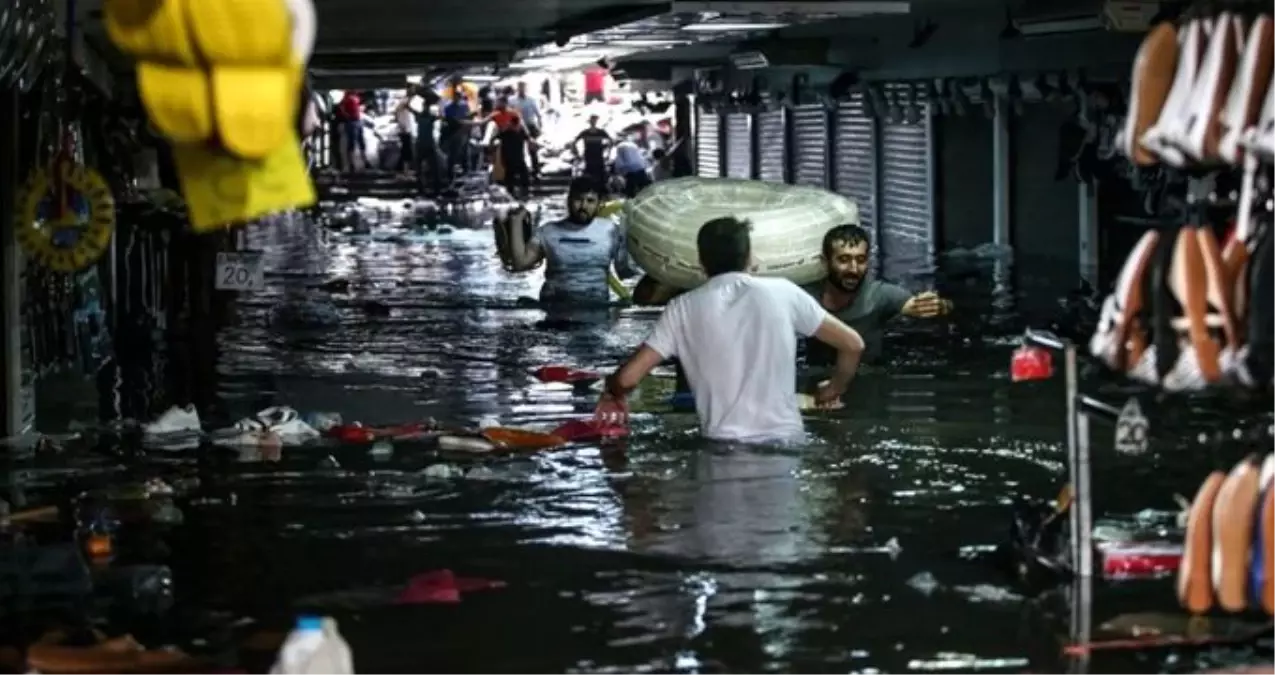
(736, 336)
(406, 120)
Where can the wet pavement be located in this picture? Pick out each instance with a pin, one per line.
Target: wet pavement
(855, 553)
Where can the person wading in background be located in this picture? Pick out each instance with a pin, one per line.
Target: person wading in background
(596, 143)
(406, 121)
(529, 108)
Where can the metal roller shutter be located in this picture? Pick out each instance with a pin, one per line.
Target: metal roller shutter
(773, 151)
(907, 190)
(708, 146)
(855, 159)
(810, 145)
(739, 145)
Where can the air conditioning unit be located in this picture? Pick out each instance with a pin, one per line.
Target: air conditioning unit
(1133, 16)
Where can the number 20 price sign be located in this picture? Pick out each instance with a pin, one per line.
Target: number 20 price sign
(239, 272)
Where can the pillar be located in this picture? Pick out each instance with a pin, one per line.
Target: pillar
(1001, 185)
(683, 129)
(11, 260)
(1088, 239)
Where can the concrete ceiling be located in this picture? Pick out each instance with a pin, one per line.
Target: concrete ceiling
(376, 42)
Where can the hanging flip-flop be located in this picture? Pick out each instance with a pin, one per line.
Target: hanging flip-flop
(1200, 132)
(1244, 101)
(1262, 566)
(1191, 49)
(1121, 337)
(1233, 516)
(1153, 71)
(1195, 583)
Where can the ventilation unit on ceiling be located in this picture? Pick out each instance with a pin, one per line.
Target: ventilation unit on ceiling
(1076, 17)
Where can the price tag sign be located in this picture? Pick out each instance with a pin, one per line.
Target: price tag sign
(240, 272)
(1133, 431)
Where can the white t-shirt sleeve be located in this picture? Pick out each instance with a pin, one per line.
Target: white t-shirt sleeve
(663, 338)
(806, 312)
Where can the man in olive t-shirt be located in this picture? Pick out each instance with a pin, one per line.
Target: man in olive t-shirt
(865, 305)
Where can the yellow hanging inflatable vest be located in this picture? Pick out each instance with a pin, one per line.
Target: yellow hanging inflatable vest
(219, 79)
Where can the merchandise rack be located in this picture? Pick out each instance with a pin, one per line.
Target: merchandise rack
(1081, 409)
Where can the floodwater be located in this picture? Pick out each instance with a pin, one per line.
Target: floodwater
(855, 553)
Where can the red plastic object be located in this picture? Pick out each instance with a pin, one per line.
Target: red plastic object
(565, 374)
(1140, 561)
(589, 430)
(402, 431)
(442, 587)
(1031, 363)
(352, 433)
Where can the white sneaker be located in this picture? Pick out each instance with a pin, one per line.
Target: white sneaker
(295, 432)
(282, 422)
(177, 429)
(176, 419)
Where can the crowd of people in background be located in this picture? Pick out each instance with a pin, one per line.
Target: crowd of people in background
(446, 132)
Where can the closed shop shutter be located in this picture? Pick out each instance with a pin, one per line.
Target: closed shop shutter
(907, 190)
(855, 158)
(708, 145)
(739, 145)
(773, 151)
(810, 145)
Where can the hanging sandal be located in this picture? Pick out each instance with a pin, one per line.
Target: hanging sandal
(1153, 72)
(1233, 534)
(1195, 587)
(1244, 101)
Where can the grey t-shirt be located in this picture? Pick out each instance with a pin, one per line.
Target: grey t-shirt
(876, 304)
(577, 259)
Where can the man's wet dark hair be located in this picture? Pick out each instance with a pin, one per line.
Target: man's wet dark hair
(845, 235)
(582, 184)
(725, 245)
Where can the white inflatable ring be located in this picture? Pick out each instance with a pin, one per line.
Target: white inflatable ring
(789, 222)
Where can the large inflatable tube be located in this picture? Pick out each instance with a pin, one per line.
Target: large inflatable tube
(788, 225)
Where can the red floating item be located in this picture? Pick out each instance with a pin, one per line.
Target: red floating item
(589, 430)
(352, 433)
(442, 587)
(565, 374)
(1140, 560)
(1031, 363)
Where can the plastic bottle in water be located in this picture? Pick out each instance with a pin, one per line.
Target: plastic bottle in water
(314, 646)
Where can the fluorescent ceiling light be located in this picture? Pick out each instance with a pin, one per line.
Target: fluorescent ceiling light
(1049, 27)
(413, 79)
(481, 78)
(728, 26)
(654, 43)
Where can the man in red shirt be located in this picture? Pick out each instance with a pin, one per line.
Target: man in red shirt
(595, 84)
(350, 113)
(503, 115)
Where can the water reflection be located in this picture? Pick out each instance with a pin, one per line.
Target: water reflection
(662, 554)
